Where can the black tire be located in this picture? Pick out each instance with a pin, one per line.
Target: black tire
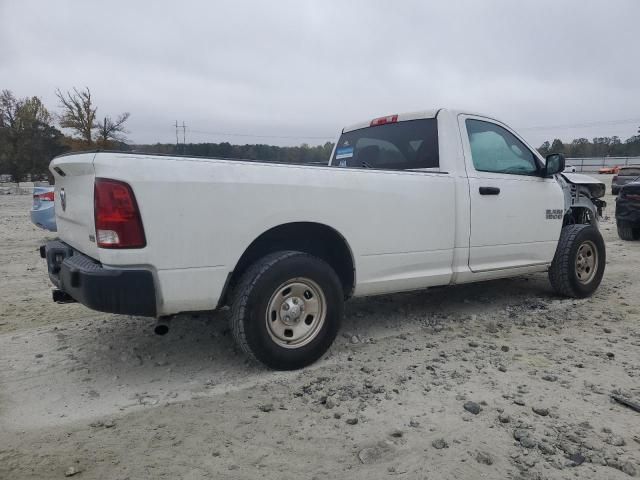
(615, 191)
(563, 272)
(627, 231)
(251, 299)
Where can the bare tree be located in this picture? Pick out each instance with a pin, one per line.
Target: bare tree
(110, 130)
(78, 112)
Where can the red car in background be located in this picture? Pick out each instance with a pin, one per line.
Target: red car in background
(609, 170)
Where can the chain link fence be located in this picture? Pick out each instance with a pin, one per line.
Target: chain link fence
(594, 164)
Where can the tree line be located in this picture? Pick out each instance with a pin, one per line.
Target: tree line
(580, 147)
(270, 153)
(598, 147)
(30, 136)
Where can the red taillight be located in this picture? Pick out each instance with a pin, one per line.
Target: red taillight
(118, 223)
(384, 120)
(47, 196)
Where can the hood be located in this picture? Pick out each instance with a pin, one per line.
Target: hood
(595, 186)
(580, 179)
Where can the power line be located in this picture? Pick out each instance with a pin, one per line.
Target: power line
(293, 137)
(584, 125)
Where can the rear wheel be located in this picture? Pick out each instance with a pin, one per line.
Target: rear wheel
(626, 231)
(579, 262)
(287, 309)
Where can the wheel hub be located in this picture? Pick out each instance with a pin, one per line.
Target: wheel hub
(586, 262)
(296, 312)
(291, 310)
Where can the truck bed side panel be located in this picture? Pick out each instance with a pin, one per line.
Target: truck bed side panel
(200, 215)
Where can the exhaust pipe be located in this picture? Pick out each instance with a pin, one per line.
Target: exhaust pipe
(162, 326)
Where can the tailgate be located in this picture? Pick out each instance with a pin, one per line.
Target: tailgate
(74, 179)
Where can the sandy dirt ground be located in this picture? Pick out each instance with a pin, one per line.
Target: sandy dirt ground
(495, 380)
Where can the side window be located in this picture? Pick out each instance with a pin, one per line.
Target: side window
(495, 149)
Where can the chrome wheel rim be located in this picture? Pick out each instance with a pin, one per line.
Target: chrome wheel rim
(586, 262)
(296, 313)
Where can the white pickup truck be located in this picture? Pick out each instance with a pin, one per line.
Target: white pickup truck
(406, 202)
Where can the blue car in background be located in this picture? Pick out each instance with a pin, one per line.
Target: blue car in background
(43, 212)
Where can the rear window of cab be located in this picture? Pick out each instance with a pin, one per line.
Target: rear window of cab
(407, 145)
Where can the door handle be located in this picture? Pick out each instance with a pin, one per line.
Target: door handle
(489, 191)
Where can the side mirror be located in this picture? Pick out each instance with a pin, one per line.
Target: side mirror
(554, 164)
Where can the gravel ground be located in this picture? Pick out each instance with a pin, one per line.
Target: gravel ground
(495, 380)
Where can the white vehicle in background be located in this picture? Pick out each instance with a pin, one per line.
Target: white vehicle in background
(569, 169)
(406, 202)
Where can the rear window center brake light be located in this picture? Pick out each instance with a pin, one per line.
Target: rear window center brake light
(384, 120)
(117, 217)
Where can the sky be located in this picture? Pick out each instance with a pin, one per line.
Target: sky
(288, 72)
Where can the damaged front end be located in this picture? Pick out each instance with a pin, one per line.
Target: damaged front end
(582, 193)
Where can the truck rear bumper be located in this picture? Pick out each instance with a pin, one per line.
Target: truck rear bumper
(111, 290)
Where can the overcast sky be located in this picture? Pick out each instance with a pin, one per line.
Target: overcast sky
(304, 69)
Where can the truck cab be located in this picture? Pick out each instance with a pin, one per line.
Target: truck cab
(497, 175)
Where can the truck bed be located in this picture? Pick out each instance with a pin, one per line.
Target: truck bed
(200, 214)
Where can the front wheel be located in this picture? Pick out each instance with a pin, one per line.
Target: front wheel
(578, 265)
(287, 309)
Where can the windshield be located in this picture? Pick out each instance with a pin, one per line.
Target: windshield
(404, 145)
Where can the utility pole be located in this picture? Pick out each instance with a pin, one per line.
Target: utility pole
(184, 136)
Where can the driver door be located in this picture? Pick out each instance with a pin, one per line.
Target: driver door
(516, 214)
